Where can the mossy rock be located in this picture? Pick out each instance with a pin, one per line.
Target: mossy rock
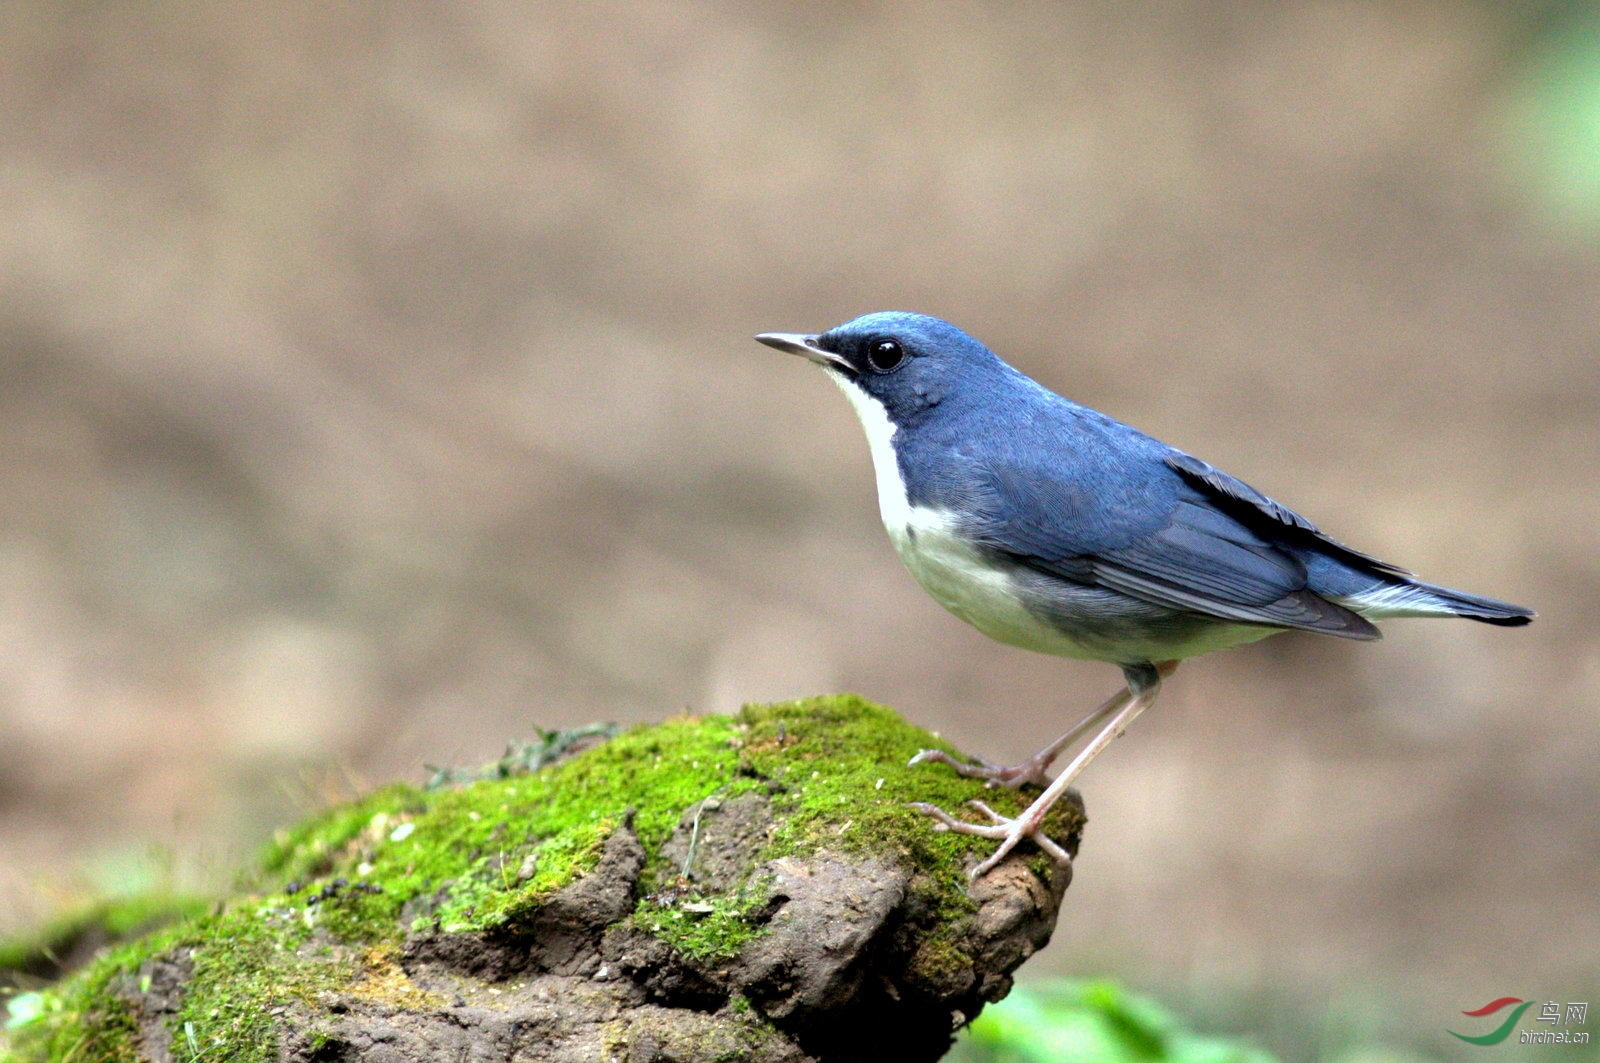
(723, 887)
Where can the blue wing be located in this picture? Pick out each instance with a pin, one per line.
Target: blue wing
(1088, 500)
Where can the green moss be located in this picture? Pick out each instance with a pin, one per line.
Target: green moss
(487, 855)
(82, 1018)
(108, 921)
(939, 967)
(245, 962)
(317, 844)
(844, 761)
(707, 928)
(837, 769)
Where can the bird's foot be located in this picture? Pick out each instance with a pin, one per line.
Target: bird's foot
(1105, 723)
(1034, 768)
(1011, 777)
(1006, 830)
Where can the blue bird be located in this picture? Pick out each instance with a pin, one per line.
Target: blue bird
(1052, 527)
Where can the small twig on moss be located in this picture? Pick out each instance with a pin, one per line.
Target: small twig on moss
(694, 829)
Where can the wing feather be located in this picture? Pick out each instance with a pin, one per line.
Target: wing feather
(1169, 530)
(1238, 498)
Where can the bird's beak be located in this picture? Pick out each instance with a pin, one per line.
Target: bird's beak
(803, 345)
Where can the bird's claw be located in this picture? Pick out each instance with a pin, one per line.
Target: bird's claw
(1009, 832)
(942, 820)
(1011, 777)
(994, 817)
(976, 764)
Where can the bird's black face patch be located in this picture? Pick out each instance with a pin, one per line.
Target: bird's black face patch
(877, 354)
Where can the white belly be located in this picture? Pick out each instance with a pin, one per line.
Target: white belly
(986, 597)
(991, 600)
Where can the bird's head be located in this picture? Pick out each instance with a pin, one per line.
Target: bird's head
(907, 363)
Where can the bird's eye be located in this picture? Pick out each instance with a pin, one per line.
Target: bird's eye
(885, 356)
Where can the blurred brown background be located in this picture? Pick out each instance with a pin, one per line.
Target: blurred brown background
(376, 384)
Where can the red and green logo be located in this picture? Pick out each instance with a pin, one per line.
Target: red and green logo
(1501, 1032)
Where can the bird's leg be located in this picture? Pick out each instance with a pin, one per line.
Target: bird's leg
(1033, 769)
(1144, 683)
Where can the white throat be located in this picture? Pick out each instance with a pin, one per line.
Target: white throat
(893, 504)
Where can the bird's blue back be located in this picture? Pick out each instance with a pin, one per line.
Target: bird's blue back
(1042, 470)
